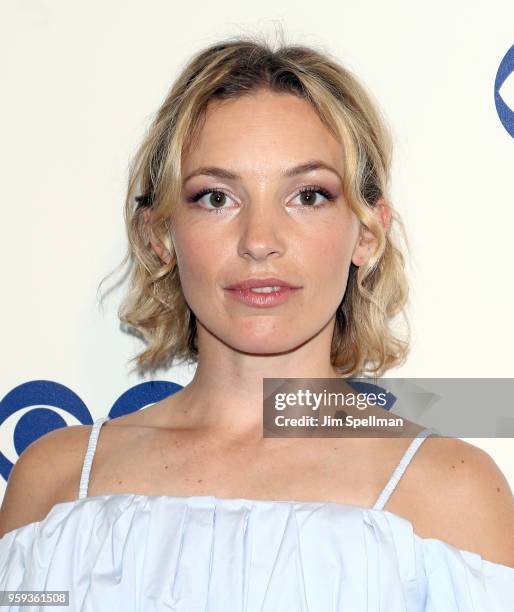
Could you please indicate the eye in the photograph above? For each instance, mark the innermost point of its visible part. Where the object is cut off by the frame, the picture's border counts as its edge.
(216, 202)
(307, 196)
(217, 199)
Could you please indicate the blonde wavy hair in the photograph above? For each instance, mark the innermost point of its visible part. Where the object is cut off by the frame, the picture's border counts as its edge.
(155, 309)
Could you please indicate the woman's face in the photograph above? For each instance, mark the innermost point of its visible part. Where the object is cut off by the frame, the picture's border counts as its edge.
(262, 225)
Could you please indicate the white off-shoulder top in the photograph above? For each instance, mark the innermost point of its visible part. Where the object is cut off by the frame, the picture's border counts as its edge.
(131, 553)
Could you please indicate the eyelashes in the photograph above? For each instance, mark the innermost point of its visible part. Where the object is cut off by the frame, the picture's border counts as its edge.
(314, 189)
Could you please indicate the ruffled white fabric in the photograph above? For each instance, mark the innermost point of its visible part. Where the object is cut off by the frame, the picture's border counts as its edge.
(133, 552)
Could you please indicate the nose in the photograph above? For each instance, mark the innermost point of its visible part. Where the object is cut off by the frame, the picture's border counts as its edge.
(262, 231)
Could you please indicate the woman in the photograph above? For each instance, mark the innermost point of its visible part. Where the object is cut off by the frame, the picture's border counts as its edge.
(262, 167)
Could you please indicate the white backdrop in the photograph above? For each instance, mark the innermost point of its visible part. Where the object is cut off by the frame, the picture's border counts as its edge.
(80, 83)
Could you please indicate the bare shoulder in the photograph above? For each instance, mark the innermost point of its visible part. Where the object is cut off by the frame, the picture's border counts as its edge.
(465, 499)
(47, 472)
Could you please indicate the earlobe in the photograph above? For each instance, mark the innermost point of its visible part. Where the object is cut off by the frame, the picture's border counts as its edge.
(161, 251)
(366, 240)
(363, 248)
(384, 212)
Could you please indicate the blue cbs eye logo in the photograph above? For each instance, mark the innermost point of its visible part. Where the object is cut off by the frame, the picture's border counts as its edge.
(34, 408)
(505, 112)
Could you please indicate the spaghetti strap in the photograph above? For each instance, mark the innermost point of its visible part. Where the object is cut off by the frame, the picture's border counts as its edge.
(402, 466)
(90, 453)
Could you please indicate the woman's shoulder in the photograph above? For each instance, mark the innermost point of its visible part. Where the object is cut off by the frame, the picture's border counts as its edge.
(46, 472)
(461, 497)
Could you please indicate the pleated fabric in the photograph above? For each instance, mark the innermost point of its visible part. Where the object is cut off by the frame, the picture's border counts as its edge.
(135, 553)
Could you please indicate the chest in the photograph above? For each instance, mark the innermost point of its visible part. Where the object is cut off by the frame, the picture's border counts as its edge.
(312, 469)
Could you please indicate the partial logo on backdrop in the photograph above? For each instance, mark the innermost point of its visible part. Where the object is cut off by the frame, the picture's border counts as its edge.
(504, 91)
(36, 407)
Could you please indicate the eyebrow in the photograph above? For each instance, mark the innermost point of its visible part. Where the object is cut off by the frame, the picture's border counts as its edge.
(222, 173)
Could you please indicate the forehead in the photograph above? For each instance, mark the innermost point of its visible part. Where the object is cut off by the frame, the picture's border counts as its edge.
(262, 133)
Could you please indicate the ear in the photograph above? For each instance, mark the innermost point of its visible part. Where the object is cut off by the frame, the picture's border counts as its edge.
(161, 251)
(367, 240)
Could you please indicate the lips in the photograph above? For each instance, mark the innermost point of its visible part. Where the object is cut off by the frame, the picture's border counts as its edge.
(250, 283)
(253, 298)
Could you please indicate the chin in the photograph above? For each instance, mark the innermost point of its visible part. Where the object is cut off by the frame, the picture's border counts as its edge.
(265, 344)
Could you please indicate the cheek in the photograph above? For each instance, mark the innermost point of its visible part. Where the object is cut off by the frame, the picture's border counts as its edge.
(326, 262)
(198, 259)
(330, 254)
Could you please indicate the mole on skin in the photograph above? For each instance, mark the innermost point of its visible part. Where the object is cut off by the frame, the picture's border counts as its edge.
(462, 461)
